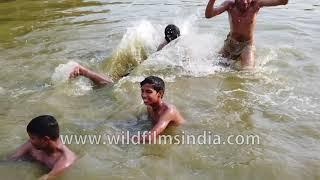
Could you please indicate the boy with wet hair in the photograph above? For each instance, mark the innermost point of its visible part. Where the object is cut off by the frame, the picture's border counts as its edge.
(171, 33)
(161, 113)
(45, 146)
(239, 44)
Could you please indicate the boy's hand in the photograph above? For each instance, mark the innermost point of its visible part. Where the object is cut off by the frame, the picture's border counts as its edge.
(77, 71)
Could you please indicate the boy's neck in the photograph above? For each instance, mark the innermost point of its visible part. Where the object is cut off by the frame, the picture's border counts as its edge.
(53, 147)
(157, 106)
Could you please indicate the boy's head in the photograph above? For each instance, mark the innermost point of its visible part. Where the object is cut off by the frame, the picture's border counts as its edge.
(42, 130)
(171, 32)
(152, 90)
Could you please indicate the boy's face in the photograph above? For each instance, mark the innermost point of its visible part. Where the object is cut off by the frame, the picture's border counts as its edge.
(243, 4)
(38, 142)
(149, 95)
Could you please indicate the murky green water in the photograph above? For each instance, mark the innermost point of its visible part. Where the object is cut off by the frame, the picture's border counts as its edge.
(279, 102)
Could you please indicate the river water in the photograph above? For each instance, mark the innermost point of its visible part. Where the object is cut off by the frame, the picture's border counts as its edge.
(278, 102)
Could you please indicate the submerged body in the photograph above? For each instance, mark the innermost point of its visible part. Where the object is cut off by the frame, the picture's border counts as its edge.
(161, 113)
(45, 146)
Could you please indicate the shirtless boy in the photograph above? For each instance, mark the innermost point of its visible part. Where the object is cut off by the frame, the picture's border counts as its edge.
(242, 20)
(161, 113)
(45, 146)
(171, 33)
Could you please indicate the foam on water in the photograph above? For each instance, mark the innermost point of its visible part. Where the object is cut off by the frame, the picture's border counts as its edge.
(62, 72)
(192, 54)
(79, 86)
(139, 41)
(144, 32)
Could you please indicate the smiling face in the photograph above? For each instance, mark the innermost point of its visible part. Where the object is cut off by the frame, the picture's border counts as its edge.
(149, 95)
(243, 5)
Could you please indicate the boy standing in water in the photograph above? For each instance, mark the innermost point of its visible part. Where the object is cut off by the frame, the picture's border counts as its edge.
(242, 20)
(161, 113)
(45, 146)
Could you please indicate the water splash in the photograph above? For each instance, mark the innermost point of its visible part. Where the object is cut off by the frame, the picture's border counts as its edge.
(62, 72)
(77, 87)
(190, 55)
(136, 45)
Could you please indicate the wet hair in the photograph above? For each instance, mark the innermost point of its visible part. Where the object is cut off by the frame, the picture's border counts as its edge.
(44, 125)
(171, 32)
(158, 83)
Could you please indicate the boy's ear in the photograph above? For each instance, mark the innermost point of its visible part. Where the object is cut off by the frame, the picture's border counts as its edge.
(161, 93)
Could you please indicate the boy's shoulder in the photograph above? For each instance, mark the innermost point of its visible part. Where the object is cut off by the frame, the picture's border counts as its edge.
(173, 112)
(27, 148)
(66, 159)
(68, 156)
(170, 108)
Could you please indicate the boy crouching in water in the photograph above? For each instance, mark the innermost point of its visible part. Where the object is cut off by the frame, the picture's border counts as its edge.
(45, 146)
(161, 113)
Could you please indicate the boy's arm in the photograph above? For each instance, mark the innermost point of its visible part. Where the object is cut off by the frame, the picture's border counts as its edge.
(272, 2)
(21, 151)
(98, 79)
(212, 11)
(163, 44)
(58, 168)
(159, 127)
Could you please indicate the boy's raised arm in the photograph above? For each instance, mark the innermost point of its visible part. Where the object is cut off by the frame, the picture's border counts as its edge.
(212, 11)
(272, 2)
(162, 45)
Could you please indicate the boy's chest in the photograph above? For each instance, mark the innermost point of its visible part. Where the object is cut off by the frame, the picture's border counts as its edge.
(155, 116)
(247, 17)
(44, 158)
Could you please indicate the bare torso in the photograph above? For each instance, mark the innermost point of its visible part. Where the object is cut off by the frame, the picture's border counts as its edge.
(44, 158)
(175, 119)
(242, 24)
(51, 159)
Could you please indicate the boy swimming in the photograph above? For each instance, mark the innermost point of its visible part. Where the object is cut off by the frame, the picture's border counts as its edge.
(161, 113)
(171, 33)
(242, 19)
(45, 146)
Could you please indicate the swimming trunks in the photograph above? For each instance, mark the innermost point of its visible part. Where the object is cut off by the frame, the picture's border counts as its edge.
(232, 48)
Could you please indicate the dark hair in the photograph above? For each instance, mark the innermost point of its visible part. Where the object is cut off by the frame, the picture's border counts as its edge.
(44, 125)
(158, 83)
(171, 32)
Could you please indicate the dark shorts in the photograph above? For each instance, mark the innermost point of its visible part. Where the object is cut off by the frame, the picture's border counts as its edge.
(233, 49)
